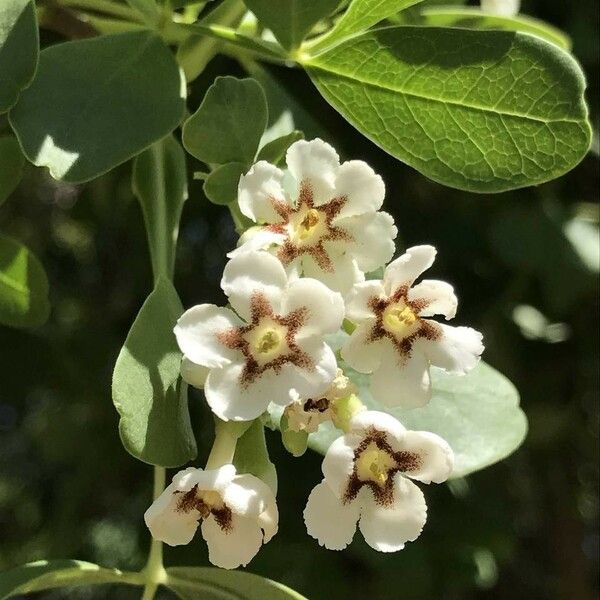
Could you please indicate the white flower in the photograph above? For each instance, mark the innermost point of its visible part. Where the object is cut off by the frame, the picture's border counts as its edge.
(238, 514)
(307, 415)
(272, 350)
(501, 8)
(329, 228)
(396, 342)
(366, 481)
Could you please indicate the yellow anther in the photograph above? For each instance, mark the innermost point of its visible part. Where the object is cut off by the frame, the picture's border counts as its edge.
(374, 464)
(268, 342)
(398, 318)
(307, 225)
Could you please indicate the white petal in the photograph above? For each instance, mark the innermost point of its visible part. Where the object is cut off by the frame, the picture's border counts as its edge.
(175, 527)
(406, 268)
(362, 187)
(338, 463)
(233, 547)
(374, 419)
(373, 237)
(300, 382)
(315, 163)
(387, 529)
(247, 495)
(197, 333)
(257, 190)
(328, 520)
(230, 400)
(362, 354)
(345, 271)
(358, 300)
(436, 456)
(457, 351)
(438, 295)
(257, 238)
(268, 520)
(402, 382)
(192, 373)
(253, 273)
(325, 308)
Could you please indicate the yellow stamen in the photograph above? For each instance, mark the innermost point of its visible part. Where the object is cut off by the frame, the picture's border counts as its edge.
(374, 464)
(398, 318)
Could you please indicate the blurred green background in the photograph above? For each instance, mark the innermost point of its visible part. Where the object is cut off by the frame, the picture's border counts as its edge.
(526, 267)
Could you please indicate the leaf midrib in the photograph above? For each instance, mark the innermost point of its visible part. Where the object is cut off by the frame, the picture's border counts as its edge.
(446, 102)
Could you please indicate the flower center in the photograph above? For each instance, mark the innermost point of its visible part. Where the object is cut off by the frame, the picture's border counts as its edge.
(308, 226)
(399, 319)
(375, 464)
(208, 501)
(268, 341)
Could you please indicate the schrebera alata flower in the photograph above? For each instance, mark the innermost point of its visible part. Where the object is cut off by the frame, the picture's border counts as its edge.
(271, 348)
(238, 514)
(396, 341)
(366, 481)
(329, 226)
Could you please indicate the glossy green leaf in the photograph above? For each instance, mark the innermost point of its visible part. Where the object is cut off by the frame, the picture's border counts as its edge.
(485, 111)
(44, 575)
(472, 18)
(229, 123)
(291, 20)
(19, 49)
(23, 286)
(252, 456)
(147, 390)
(192, 583)
(160, 184)
(274, 151)
(12, 162)
(221, 185)
(359, 16)
(96, 103)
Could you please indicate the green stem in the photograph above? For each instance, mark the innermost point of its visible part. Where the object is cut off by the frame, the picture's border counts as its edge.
(154, 571)
(105, 6)
(223, 449)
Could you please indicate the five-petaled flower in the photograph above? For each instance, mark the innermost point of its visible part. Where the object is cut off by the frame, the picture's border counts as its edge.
(396, 342)
(329, 227)
(366, 481)
(238, 514)
(272, 349)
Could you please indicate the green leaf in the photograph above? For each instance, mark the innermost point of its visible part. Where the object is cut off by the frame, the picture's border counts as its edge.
(478, 414)
(44, 575)
(229, 123)
(147, 390)
(291, 20)
(484, 111)
(160, 183)
(286, 113)
(221, 185)
(191, 583)
(19, 49)
(472, 18)
(274, 151)
(12, 162)
(96, 103)
(23, 286)
(252, 456)
(360, 15)
(148, 9)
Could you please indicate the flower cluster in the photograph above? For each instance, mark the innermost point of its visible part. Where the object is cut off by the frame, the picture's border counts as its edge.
(298, 275)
